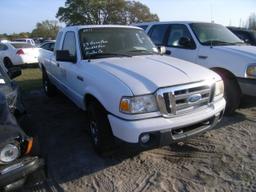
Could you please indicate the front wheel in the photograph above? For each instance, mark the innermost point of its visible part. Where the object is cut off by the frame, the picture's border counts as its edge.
(232, 95)
(100, 130)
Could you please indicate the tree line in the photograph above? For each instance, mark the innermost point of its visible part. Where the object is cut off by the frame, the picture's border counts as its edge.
(87, 12)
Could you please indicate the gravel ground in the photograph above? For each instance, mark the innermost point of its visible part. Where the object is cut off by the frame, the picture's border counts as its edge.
(220, 160)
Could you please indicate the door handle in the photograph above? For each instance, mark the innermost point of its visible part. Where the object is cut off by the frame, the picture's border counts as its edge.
(202, 57)
(58, 65)
(80, 78)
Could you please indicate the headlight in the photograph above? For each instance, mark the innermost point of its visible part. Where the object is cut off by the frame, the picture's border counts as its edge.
(2, 81)
(138, 104)
(219, 90)
(251, 71)
(9, 153)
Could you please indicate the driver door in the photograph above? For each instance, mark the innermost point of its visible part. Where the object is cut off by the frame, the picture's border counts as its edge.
(174, 45)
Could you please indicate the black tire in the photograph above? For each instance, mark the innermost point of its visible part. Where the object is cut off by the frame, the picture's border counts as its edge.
(100, 130)
(8, 63)
(49, 89)
(232, 94)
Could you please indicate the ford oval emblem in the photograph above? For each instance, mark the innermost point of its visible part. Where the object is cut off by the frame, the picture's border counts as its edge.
(194, 98)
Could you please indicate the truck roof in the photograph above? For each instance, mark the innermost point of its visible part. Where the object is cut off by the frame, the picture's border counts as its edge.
(169, 22)
(78, 27)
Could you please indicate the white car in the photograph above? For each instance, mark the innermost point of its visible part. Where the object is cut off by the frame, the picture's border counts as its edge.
(213, 46)
(18, 53)
(26, 40)
(131, 92)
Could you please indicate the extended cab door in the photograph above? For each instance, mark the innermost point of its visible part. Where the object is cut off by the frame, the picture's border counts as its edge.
(177, 40)
(51, 64)
(71, 72)
(180, 44)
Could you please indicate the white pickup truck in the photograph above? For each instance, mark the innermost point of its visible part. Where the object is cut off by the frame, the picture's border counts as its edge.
(213, 46)
(131, 92)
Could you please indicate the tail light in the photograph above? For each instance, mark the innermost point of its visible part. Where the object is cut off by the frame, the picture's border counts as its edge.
(20, 52)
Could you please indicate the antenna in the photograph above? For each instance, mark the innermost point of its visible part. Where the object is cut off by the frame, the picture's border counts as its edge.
(211, 6)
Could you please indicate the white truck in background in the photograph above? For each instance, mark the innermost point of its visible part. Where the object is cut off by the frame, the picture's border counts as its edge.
(212, 46)
(131, 92)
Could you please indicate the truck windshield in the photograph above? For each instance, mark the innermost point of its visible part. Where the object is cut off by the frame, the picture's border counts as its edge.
(214, 34)
(114, 42)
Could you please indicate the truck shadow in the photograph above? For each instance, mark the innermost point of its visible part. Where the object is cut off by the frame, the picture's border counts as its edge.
(64, 140)
(62, 131)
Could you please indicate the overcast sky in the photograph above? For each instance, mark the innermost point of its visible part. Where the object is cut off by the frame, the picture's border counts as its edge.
(22, 15)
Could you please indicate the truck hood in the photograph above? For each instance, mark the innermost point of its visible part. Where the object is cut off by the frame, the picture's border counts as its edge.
(242, 50)
(145, 74)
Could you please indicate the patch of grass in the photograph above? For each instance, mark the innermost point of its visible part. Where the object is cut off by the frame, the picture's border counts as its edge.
(30, 79)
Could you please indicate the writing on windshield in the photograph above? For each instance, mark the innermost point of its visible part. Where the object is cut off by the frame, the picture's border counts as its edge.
(94, 47)
(114, 42)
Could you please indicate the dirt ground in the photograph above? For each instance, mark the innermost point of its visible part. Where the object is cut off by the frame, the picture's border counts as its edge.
(220, 160)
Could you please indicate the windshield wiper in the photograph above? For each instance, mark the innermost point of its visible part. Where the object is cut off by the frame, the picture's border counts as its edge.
(102, 55)
(216, 42)
(141, 51)
(239, 43)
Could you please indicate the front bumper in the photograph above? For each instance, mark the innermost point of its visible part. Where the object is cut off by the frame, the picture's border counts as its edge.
(12, 173)
(248, 86)
(164, 131)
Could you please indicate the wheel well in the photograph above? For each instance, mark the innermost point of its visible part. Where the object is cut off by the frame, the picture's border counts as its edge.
(89, 98)
(5, 59)
(226, 73)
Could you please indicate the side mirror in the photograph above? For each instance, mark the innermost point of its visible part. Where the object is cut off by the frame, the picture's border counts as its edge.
(247, 41)
(185, 42)
(64, 55)
(162, 50)
(14, 72)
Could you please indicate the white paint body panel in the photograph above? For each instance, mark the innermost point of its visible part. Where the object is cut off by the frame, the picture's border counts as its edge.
(109, 79)
(235, 58)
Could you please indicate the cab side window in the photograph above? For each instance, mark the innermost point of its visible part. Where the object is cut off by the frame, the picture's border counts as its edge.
(45, 46)
(3, 47)
(69, 43)
(48, 46)
(177, 34)
(243, 36)
(157, 33)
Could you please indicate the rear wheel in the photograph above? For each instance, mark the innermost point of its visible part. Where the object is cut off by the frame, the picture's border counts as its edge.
(100, 130)
(49, 88)
(8, 63)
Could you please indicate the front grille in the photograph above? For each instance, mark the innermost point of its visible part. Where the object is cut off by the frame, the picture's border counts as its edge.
(184, 98)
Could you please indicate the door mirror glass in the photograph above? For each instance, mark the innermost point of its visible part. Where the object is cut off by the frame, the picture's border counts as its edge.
(64, 55)
(14, 72)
